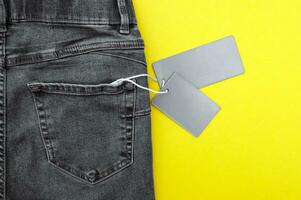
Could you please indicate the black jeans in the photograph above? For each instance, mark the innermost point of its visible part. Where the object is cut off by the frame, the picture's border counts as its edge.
(66, 132)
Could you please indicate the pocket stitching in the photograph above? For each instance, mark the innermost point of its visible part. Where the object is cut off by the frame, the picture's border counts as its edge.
(40, 126)
(105, 173)
(75, 89)
(121, 57)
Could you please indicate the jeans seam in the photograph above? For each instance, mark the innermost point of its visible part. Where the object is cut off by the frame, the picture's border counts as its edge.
(72, 51)
(143, 112)
(40, 125)
(74, 89)
(134, 123)
(118, 56)
(3, 132)
(73, 21)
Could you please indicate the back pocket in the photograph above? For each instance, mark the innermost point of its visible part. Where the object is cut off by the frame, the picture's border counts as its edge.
(87, 130)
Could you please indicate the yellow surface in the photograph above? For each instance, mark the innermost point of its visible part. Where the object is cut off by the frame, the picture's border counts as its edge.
(252, 149)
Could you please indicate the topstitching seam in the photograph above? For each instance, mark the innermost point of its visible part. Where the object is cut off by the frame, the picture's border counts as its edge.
(72, 51)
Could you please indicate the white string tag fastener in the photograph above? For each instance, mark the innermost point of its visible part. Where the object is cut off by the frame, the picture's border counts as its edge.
(129, 79)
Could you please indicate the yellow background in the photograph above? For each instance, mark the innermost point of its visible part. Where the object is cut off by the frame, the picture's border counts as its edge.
(252, 149)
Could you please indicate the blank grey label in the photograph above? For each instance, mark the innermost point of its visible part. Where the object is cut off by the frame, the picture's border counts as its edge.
(186, 105)
(203, 65)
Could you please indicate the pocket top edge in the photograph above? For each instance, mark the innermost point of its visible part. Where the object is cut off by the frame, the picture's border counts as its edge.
(78, 89)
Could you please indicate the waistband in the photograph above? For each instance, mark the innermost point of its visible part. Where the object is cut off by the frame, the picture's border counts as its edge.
(68, 11)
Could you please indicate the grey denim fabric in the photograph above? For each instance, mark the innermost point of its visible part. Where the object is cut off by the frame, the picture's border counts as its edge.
(66, 133)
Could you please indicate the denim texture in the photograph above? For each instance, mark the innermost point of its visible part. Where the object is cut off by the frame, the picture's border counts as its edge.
(66, 133)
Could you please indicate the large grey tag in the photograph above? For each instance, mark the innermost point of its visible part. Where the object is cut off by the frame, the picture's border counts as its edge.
(203, 65)
(185, 104)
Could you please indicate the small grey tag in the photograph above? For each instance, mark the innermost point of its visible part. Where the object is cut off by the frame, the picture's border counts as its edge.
(186, 105)
(203, 65)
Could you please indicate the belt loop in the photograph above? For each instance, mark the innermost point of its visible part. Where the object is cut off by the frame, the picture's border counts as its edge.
(124, 15)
